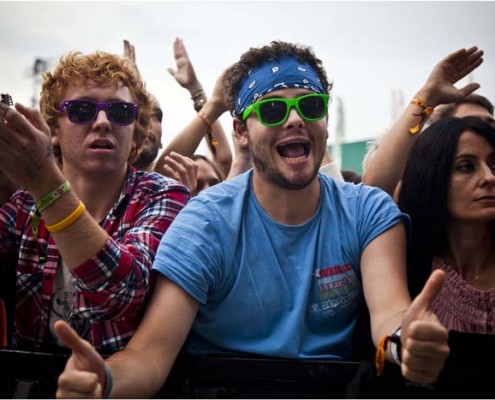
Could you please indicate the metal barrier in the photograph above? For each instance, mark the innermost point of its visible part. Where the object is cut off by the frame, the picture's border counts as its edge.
(469, 373)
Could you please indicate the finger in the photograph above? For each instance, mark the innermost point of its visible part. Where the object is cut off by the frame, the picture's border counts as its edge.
(81, 382)
(469, 66)
(432, 287)
(180, 158)
(4, 109)
(133, 53)
(167, 171)
(423, 333)
(33, 116)
(126, 48)
(19, 119)
(175, 164)
(171, 71)
(460, 55)
(71, 339)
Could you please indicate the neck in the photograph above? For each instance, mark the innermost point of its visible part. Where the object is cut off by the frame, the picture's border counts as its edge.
(470, 248)
(290, 207)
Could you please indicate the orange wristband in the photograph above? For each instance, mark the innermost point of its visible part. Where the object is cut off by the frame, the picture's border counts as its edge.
(425, 113)
(380, 354)
(211, 141)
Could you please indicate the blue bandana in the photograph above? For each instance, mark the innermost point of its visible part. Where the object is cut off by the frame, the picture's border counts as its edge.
(286, 72)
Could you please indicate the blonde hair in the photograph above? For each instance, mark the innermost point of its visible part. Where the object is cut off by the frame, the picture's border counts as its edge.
(102, 68)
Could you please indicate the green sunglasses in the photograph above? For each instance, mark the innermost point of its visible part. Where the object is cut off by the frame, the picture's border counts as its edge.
(272, 112)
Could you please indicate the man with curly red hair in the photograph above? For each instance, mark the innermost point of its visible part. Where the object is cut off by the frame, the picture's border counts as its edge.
(83, 231)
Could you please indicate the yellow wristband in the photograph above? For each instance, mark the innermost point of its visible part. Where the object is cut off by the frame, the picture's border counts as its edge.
(68, 221)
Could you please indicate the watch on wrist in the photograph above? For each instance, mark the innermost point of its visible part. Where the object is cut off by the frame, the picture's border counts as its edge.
(396, 347)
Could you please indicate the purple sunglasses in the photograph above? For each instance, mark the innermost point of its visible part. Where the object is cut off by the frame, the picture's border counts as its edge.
(84, 111)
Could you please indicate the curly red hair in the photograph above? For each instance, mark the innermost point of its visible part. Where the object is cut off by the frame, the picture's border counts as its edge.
(103, 68)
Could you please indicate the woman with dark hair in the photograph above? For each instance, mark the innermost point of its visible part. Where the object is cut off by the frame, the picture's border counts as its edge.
(448, 189)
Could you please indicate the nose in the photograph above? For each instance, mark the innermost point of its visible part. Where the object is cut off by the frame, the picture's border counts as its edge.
(488, 175)
(294, 119)
(101, 123)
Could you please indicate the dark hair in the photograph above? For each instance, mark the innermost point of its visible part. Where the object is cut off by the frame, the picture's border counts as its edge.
(448, 110)
(217, 170)
(257, 56)
(424, 190)
(351, 176)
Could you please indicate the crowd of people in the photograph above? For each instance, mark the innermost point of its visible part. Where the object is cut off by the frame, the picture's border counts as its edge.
(126, 254)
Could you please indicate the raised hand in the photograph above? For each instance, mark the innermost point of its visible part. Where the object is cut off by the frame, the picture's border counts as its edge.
(26, 153)
(84, 373)
(447, 72)
(182, 169)
(130, 53)
(184, 74)
(424, 339)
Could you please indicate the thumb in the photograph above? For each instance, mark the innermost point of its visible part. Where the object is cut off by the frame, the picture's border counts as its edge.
(423, 301)
(470, 88)
(171, 71)
(83, 351)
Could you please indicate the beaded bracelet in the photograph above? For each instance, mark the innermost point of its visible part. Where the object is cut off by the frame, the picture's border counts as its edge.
(53, 196)
(67, 221)
(425, 113)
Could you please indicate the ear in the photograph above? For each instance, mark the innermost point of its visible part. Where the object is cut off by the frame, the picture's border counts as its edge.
(241, 132)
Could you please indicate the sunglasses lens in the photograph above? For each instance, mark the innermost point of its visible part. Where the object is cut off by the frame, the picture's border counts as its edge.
(121, 113)
(80, 112)
(312, 107)
(272, 112)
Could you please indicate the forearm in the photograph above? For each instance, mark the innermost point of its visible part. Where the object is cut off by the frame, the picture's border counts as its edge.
(222, 153)
(187, 141)
(387, 165)
(141, 382)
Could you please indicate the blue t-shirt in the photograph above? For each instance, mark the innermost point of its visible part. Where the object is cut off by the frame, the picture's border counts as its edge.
(271, 289)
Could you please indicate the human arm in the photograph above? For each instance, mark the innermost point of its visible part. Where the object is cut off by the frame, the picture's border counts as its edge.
(141, 369)
(26, 158)
(112, 271)
(386, 168)
(424, 339)
(187, 141)
(115, 282)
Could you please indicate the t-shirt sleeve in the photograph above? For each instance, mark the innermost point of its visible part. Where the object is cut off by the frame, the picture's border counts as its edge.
(377, 212)
(189, 252)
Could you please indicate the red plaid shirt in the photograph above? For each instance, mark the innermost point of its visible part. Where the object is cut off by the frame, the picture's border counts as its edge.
(113, 286)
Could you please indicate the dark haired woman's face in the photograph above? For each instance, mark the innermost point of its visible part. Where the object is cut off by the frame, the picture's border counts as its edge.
(471, 194)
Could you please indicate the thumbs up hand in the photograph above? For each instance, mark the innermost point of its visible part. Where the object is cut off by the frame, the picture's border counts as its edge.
(424, 339)
(84, 374)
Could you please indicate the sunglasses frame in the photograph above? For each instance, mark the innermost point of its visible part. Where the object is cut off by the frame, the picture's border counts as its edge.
(290, 103)
(99, 106)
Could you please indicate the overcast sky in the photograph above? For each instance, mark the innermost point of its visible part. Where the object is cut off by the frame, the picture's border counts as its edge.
(369, 48)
